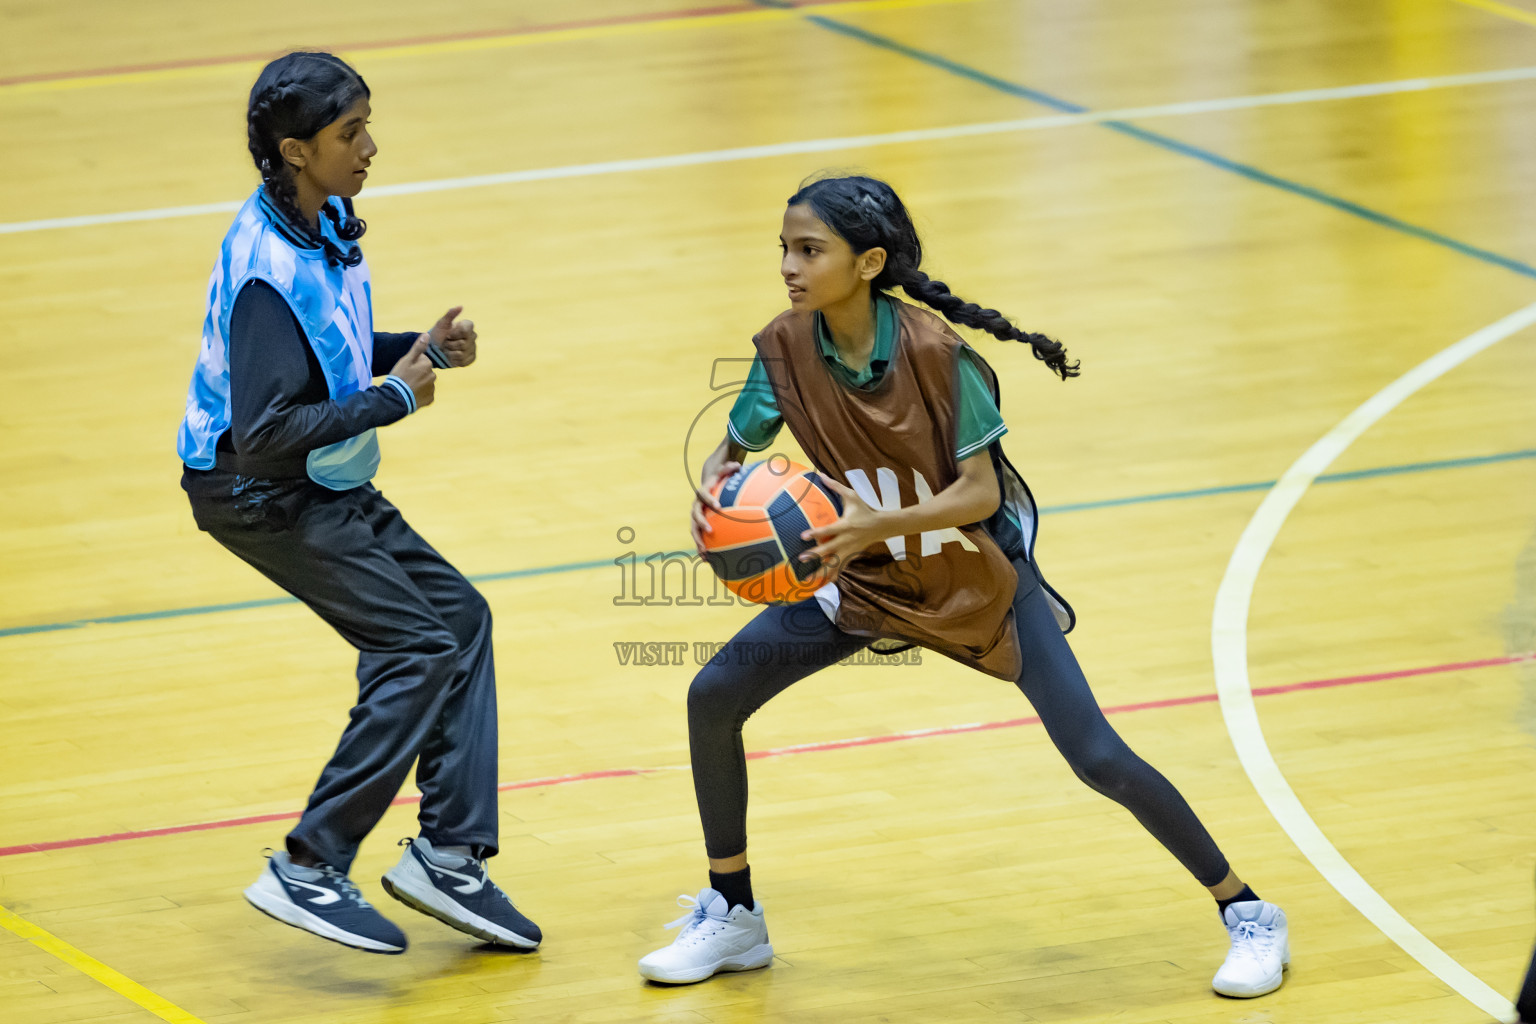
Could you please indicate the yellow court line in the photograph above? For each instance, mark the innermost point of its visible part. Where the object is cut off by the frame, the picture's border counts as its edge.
(1503, 10)
(93, 968)
(486, 43)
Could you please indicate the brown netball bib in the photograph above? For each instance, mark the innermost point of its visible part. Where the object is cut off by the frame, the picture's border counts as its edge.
(894, 443)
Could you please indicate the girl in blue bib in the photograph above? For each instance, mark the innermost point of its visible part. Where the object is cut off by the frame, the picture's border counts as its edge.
(279, 445)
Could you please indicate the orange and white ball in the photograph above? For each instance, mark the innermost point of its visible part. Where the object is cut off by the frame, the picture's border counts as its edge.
(755, 544)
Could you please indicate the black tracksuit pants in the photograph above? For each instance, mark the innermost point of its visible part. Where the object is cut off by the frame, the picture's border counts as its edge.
(426, 680)
(736, 683)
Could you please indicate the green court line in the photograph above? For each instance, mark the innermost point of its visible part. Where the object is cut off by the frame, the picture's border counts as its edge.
(564, 567)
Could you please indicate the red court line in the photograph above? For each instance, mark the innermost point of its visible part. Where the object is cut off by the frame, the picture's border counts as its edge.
(1120, 709)
(682, 14)
(257, 819)
(801, 748)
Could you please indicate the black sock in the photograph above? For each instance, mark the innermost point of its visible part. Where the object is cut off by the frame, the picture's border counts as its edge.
(1242, 897)
(736, 887)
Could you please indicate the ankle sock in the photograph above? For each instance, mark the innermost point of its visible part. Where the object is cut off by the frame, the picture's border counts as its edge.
(736, 887)
(450, 856)
(299, 871)
(1242, 897)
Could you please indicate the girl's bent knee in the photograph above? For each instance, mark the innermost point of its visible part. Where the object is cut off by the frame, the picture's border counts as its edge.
(1105, 771)
(709, 693)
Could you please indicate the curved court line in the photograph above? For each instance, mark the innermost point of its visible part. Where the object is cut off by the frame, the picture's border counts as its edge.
(821, 746)
(563, 567)
(739, 153)
(1229, 652)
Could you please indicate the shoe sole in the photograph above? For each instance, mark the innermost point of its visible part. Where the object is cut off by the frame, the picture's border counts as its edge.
(1285, 965)
(427, 900)
(282, 910)
(753, 959)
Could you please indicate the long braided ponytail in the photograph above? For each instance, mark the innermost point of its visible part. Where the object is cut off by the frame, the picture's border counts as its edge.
(294, 97)
(867, 214)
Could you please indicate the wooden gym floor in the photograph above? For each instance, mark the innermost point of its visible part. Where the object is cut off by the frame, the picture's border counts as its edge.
(1246, 218)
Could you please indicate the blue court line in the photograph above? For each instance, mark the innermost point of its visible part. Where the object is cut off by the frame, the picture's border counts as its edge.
(1326, 478)
(538, 571)
(1173, 145)
(550, 570)
(268, 602)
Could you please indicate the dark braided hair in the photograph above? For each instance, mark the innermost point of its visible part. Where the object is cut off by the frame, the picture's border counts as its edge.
(294, 97)
(866, 213)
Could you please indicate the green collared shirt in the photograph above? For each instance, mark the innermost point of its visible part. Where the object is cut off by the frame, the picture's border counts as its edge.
(755, 421)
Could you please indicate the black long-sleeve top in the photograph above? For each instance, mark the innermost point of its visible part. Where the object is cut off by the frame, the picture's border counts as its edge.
(281, 407)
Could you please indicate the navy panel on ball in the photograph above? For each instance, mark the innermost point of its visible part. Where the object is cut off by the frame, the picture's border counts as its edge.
(815, 480)
(788, 524)
(732, 489)
(744, 561)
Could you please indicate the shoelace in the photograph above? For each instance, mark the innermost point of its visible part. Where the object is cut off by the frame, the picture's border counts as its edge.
(1251, 940)
(692, 921)
(344, 885)
(478, 867)
(485, 878)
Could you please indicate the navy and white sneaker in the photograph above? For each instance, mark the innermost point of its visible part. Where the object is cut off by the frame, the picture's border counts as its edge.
(324, 901)
(457, 892)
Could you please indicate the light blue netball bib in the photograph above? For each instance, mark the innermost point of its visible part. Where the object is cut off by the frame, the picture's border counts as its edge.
(333, 305)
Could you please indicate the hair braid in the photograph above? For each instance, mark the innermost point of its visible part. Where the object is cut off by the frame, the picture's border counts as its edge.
(295, 97)
(266, 109)
(867, 214)
(955, 309)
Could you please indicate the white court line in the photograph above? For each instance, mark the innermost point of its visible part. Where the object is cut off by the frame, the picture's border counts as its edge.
(1229, 651)
(718, 156)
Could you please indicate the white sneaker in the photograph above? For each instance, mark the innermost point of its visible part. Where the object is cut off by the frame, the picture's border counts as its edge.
(1260, 951)
(712, 940)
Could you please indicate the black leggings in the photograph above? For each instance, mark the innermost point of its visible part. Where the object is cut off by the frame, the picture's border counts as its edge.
(784, 644)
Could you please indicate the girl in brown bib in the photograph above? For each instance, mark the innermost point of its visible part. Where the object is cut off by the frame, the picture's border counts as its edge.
(935, 547)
